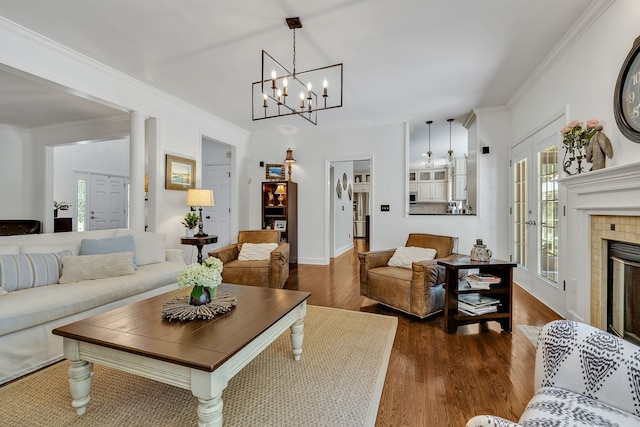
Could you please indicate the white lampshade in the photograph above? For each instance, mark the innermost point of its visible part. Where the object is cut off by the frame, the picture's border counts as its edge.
(200, 197)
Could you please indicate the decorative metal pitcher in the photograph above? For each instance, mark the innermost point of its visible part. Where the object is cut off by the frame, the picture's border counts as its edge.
(479, 252)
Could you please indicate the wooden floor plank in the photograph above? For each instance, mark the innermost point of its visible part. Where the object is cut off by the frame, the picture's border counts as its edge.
(434, 378)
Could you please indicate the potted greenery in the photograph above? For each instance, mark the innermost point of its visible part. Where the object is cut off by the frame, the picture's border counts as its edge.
(190, 221)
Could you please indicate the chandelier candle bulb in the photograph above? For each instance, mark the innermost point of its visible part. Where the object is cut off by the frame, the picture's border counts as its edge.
(309, 90)
(265, 100)
(325, 83)
(273, 79)
(285, 83)
(301, 100)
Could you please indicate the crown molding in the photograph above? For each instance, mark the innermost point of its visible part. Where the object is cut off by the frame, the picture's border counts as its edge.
(586, 20)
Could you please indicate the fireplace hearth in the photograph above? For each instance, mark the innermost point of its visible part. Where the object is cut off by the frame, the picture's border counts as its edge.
(623, 290)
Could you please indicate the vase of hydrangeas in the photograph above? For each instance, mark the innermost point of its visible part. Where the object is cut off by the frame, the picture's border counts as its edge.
(204, 278)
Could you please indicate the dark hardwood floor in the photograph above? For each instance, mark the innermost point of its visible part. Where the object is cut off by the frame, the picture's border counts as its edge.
(435, 378)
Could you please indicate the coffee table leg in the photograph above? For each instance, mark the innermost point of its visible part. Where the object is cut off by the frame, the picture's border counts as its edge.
(80, 375)
(297, 334)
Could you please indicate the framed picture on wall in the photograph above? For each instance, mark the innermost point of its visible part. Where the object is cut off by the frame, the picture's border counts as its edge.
(275, 172)
(180, 173)
(280, 224)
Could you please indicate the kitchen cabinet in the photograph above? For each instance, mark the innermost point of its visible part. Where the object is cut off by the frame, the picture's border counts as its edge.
(460, 179)
(432, 192)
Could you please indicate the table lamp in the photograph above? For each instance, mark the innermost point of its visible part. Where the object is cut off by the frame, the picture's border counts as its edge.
(280, 190)
(289, 161)
(199, 197)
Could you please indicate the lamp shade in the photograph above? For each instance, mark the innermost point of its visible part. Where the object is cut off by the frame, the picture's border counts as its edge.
(280, 189)
(290, 158)
(199, 197)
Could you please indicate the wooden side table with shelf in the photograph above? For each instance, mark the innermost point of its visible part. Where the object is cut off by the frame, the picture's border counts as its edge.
(199, 242)
(454, 287)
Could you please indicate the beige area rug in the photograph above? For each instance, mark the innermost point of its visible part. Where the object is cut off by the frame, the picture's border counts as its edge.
(531, 332)
(338, 382)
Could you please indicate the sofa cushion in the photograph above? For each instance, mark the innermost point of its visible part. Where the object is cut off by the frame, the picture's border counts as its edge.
(256, 251)
(149, 246)
(404, 256)
(24, 271)
(51, 248)
(557, 406)
(90, 267)
(253, 273)
(9, 249)
(49, 303)
(109, 245)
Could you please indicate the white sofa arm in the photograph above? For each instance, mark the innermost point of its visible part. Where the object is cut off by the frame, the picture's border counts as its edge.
(490, 421)
(174, 255)
(589, 361)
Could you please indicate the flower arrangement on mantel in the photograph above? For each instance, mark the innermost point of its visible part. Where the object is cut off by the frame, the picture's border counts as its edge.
(576, 137)
(204, 278)
(588, 143)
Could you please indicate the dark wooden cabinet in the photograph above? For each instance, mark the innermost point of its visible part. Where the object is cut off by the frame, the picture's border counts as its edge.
(280, 212)
(62, 224)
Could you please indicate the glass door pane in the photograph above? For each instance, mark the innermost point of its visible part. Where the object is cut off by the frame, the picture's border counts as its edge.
(520, 214)
(548, 211)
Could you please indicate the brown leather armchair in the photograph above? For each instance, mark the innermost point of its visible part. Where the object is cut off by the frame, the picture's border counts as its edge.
(272, 273)
(418, 291)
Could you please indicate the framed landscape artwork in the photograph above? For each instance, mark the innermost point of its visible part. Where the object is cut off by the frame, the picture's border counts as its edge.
(275, 172)
(280, 224)
(180, 173)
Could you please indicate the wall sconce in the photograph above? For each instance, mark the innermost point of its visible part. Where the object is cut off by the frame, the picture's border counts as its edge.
(289, 161)
(199, 197)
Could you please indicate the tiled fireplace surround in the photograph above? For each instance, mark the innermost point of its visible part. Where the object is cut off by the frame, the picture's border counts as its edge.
(595, 201)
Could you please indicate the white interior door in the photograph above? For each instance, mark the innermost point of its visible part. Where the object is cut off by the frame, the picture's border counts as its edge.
(107, 207)
(217, 218)
(534, 213)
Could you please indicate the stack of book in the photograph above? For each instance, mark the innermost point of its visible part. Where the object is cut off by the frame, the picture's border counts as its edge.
(482, 280)
(475, 304)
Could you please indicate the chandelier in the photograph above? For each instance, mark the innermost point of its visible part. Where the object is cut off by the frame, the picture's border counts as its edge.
(281, 92)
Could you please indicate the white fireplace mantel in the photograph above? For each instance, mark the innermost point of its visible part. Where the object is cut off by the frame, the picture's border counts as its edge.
(612, 191)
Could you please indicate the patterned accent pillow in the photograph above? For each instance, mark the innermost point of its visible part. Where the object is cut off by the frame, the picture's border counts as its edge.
(24, 271)
(89, 267)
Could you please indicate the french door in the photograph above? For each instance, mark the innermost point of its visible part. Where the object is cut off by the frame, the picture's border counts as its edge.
(534, 215)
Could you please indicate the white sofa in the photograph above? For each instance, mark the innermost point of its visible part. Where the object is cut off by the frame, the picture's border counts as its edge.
(27, 316)
(584, 377)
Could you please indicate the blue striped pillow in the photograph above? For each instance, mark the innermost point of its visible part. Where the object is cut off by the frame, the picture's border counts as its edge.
(24, 271)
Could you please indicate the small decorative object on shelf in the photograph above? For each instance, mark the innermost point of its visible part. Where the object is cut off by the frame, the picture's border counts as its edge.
(480, 253)
(63, 206)
(599, 147)
(202, 303)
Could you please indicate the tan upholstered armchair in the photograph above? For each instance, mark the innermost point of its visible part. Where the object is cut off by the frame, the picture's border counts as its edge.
(418, 290)
(271, 273)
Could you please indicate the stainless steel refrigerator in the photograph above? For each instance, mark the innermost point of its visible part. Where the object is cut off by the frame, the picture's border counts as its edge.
(360, 213)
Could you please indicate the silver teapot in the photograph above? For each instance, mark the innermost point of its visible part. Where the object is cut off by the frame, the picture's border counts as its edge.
(479, 252)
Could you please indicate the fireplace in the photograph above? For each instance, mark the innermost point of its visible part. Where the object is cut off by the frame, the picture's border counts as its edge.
(623, 290)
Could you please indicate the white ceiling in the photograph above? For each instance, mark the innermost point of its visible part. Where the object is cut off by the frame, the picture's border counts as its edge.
(403, 60)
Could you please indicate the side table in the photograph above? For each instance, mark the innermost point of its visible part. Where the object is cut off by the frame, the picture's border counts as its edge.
(454, 287)
(199, 242)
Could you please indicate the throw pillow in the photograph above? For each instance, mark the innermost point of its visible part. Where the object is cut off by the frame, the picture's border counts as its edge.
(256, 251)
(89, 267)
(24, 271)
(108, 245)
(149, 246)
(404, 256)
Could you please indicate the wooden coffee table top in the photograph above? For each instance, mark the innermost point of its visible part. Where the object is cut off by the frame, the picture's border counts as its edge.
(200, 344)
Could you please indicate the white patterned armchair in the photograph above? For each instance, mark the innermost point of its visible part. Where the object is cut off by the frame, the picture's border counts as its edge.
(583, 377)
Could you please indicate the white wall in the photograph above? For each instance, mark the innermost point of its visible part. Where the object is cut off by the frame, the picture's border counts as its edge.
(342, 208)
(387, 146)
(180, 127)
(583, 80)
(15, 147)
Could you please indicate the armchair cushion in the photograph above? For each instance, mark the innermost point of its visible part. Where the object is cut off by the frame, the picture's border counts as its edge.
(256, 251)
(404, 256)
